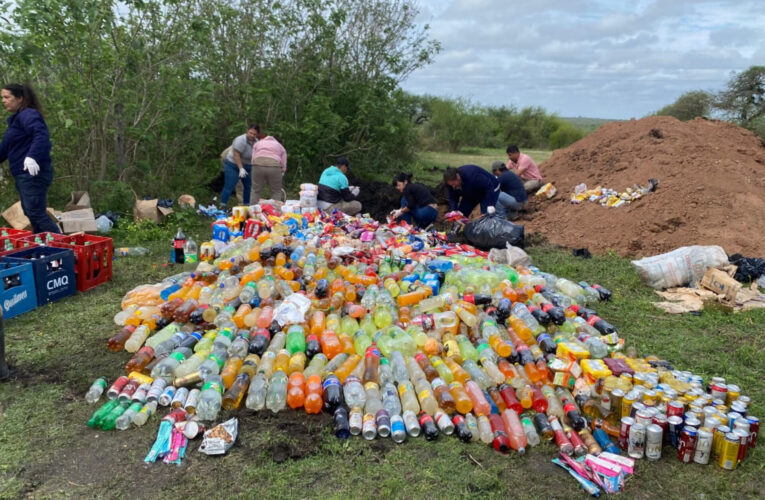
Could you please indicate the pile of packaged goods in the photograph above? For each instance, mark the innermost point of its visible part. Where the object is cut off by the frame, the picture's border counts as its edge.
(610, 197)
(396, 335)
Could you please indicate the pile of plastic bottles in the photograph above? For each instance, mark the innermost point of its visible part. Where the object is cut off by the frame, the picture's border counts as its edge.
(397, 334)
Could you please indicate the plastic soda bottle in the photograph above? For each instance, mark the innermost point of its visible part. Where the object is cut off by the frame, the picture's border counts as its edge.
(95, 391)
(276, 397)
(210, 399)
(500, 440)
(143, 415)
(256, 396)
(296, 390)
(313, 398)
(515, 431)
(296, 341)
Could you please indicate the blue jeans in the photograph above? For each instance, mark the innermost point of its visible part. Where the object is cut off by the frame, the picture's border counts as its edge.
(33, 191)
(231, 177)
(423, 216)
(507, 205)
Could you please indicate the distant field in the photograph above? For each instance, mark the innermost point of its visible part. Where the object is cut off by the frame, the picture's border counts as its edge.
(586, 124)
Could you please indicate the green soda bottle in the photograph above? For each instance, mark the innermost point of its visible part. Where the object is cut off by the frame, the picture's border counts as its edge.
(110, 420)
(295, 339)
(100, 413)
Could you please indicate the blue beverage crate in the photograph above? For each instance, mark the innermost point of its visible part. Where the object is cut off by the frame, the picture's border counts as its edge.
(53, 271)
(20, 297)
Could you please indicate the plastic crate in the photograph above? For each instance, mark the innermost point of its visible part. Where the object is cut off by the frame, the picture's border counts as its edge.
(17, 288)
(53, 270)
(9, 232)
(42, 238)
(93, 258)
(17, 244)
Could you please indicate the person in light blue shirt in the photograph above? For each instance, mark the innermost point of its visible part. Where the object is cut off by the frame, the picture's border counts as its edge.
(334, 191)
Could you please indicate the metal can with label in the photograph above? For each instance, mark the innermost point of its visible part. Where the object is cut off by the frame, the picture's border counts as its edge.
(192, 401)
(674, 427)
(654, 439)
(627, 401)
(650, 398)
(744, 399)
(703, 446)
(624, 432)
(643, 417)
(718, 390)
(743, 440)
(368, 427)
(728, 457)
(411, 423)
(687, 444)
(355, 421)
(167, 396)
(660, 420)
(617, 396)
(636, 407)
(692, 421)
(738, 407)
(179, 400)
(754, 430)
(675, 409)
(719, 438)
(732, 393)
(383, 423)
(732, 417)
(636, 447)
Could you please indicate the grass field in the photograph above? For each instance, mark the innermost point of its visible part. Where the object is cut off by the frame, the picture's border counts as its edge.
(58, 350)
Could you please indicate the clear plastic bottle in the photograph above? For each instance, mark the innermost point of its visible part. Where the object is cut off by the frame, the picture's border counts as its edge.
(390, 399)
(137, 339)
(484, 430)
(124, 420)
(95, 391)
(210, 399)
(191, 364)
(398, 367)
(165, 369)
(354, 392)
(276, 397)
(213, 364)
(256, 395)
(147, 411)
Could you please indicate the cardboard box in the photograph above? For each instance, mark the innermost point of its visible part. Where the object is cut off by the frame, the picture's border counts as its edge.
(721, 283)
(80, 200)
(148, 210)
(78, 221)
(17, 220)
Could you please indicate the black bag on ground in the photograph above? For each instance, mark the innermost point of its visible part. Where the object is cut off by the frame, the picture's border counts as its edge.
(749, 268)
(493, 231)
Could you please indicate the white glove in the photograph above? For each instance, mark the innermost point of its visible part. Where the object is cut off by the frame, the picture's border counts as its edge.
(31, 166)
(354, 190)
(396, 214)
(490, 210)
(242, 173)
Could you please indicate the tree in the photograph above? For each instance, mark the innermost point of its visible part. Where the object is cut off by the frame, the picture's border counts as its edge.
(689, 105)
(744, 99)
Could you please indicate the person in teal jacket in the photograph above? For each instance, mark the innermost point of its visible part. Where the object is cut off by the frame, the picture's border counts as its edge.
(334, 191)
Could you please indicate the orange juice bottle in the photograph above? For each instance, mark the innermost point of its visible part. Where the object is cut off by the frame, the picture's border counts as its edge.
(460, 374)
(318, 322)
(350, 293)
(230, 370)
(281, 259)
(464, 403)
(296, 390)
(412, 298)
(347, 343)
(313, 400)
(241, 313)
(347, 367)
(330, 344)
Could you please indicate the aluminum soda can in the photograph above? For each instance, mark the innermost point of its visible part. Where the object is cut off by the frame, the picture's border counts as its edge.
(660, 420)
(355, 421)
(743, 441)
(411, 423)
(718, 390)
(675, 409)
(687, 444)
(156, 389)
(636, 407)
(627, 401)
(117, 387)
(654, 439)
(444, 423)
(728, 457)
(139, 396)
(674, 427)
(192, 401)
(368, 427)
(636, 446)
(754, 430)
(167, 396)
(179, 400)
(617, 396)
(397, 429)
(743, 399)
(719, 438)
(624, 432)
(732, 417)
(692, 421)
(643, 417)
(650, 398)
(703, 446)
(738, 407)
(733, 393)
(383, 423)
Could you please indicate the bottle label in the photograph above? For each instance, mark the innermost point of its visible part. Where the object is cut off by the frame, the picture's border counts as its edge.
(212, 385)
(555, 424)
(567, 407)
(330, 382)
(101, 382)
(403, 388)
(437, 382)
(592, 320)
(423, 395)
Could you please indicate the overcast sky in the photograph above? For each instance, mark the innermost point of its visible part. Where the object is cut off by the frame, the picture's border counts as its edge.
(603, 59)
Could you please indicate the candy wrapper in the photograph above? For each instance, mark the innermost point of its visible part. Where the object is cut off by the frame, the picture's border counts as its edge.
(220, 438)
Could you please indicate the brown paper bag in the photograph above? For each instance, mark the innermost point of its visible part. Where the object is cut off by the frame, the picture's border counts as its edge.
(17, 220)
(148, 210)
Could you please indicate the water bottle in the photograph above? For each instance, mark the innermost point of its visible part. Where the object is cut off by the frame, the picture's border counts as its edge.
(390, 400)
(210, 398)
(124, 420)
(256, 395)
(95, 391)
(353, 392)
(213, 364)
(165, 369)
(276, 397)
(143, 415)
(398, 367)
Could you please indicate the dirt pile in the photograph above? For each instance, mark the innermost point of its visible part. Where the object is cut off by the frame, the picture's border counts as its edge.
(711, 188)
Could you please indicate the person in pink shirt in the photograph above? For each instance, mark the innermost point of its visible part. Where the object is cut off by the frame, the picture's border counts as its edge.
(524, 167)
(269, 162)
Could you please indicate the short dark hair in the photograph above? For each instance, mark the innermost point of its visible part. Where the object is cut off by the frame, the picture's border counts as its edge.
(402, 177)
(450, 174)
(498, 165)
(342, 161)
(254, 126)
(26, 93)
(512, 148)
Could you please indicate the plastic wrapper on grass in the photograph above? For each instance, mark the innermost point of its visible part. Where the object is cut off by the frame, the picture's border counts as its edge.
(219, 439)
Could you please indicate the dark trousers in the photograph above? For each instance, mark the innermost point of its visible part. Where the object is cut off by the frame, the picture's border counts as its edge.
(231, 177)
(33, 191)
(423, 216)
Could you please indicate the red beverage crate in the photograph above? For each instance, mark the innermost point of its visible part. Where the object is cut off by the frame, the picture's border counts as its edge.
(16, 244)
(42, 238)
(9, 232)
(93, 258)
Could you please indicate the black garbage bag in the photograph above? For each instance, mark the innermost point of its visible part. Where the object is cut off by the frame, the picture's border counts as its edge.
(749, 268)
(493, 231)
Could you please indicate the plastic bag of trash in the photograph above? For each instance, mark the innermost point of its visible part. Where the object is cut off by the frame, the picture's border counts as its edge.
(512, 256)
(749, 268)
(104, 224)
(680, 267)
(494, 231)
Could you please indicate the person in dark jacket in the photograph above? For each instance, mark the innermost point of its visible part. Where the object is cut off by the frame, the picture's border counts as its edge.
(26, 146)
(471, 185)
(511, 186)
(334, 191)
(417, 203)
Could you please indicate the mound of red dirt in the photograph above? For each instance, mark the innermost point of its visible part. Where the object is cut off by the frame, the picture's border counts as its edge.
(711, 188)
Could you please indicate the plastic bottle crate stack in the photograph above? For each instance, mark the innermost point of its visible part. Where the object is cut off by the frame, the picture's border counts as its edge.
(397, 334)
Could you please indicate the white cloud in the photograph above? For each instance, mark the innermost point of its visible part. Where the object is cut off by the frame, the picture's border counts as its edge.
(603, 58)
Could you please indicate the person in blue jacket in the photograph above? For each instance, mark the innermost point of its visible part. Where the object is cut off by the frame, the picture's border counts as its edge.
(26, 146)
(471, 185)
(334, 191)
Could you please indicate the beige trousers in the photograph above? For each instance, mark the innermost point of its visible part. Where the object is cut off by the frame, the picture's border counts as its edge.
(266, 171)
(347, 207)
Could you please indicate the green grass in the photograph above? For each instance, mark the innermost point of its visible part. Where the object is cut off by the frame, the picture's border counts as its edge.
(48, 452)
(431, 164)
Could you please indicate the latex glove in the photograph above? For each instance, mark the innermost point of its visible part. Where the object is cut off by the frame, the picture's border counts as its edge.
(31, 166)
(490, 210)
(242, 173)
(354, 190)
(396, 214)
